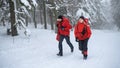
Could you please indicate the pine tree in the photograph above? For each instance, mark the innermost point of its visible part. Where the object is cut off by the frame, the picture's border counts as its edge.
(12, 18)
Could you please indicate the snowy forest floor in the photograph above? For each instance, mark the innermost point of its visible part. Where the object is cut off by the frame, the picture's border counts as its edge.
(39, 51)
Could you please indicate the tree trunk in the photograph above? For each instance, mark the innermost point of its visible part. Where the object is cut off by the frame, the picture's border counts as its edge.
(3, 20)
(12, 18)
(41, 11)
(26, 20)
(54, 16)
(55, 12)
(51, 19)
(35, 23)
(44, 8)
(41, 16)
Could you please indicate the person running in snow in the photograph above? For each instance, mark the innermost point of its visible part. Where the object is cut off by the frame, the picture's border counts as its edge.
(64, 27)
(82, 34)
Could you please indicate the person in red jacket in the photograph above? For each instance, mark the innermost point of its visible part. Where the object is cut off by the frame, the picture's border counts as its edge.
(64, 27)
(82, 34)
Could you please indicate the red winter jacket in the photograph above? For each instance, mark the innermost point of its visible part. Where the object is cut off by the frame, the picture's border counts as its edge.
(66, 25)
(79, 27)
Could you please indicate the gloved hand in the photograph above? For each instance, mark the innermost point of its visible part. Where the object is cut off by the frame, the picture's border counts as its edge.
(76, 39)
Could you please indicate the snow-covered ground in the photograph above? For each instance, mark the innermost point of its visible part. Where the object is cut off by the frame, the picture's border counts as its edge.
(39, 51)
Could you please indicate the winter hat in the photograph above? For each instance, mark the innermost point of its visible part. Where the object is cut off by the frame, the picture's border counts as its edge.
(60, 17)
(82, 17)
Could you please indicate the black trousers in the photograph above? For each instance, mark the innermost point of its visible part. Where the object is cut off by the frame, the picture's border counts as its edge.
(62, 37)
(83, 45)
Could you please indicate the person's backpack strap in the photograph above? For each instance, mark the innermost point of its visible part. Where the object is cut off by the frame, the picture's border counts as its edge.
(84, 30)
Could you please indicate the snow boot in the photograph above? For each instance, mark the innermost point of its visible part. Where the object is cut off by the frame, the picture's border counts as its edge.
(59, 54)
(85, 54)
(85, 57)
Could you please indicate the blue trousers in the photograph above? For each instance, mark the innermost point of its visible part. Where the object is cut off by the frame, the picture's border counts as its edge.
(62, 37)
